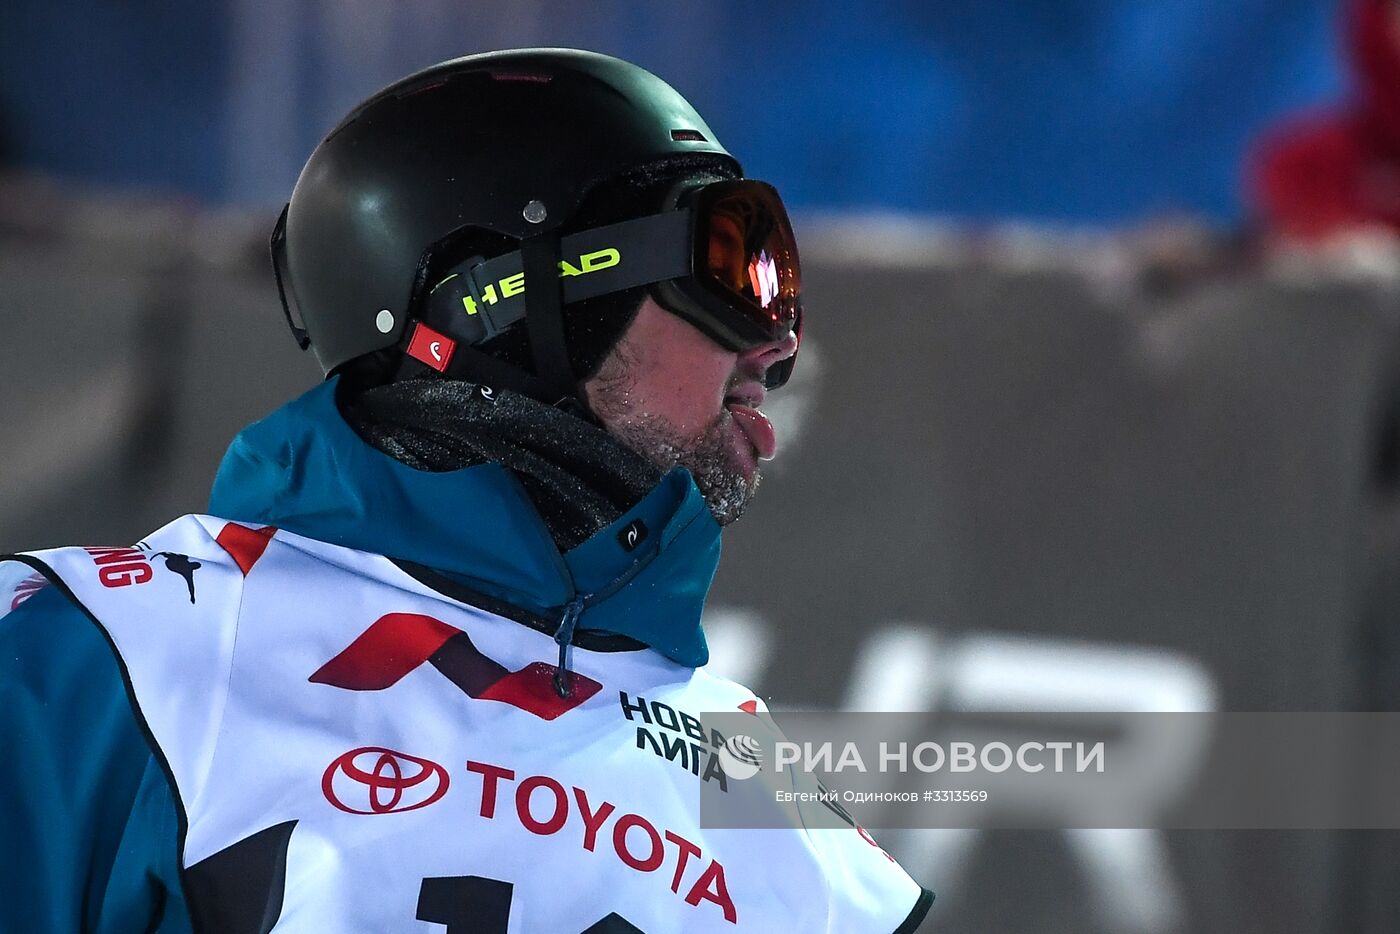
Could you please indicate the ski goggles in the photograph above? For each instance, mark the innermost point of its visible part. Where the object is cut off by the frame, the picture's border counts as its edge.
(724, 259)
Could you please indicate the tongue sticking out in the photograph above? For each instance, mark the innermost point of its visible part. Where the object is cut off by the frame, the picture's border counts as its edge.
(757, 428)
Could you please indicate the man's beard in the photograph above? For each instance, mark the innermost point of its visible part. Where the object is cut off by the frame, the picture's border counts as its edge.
(709, 458)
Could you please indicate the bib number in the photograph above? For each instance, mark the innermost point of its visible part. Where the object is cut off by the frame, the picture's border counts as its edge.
(477, 905)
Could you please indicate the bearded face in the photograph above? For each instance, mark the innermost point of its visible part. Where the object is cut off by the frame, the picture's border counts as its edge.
(679, 399)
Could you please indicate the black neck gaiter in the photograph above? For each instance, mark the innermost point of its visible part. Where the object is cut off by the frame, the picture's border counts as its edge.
(579, 477)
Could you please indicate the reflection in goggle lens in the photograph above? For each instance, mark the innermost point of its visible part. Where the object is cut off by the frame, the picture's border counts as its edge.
(752, 254)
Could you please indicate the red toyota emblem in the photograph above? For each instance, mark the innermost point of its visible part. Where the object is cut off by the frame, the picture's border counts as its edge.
(375, 780)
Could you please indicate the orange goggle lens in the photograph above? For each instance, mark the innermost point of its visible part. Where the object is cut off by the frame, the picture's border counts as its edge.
(746, 254)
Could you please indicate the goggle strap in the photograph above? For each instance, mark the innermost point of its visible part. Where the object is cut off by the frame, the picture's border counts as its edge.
(590, 263)
(278, 248)
(544, 315)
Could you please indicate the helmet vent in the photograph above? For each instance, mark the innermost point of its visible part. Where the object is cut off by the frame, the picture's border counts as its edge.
(688, 136)
(533, 77)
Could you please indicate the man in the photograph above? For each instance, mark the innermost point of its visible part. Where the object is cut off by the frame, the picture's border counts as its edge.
(396, 683)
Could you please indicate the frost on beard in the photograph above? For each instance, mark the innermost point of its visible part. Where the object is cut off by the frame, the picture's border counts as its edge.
(709, 459)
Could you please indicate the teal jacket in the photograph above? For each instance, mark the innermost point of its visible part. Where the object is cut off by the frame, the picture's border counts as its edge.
(88, 826)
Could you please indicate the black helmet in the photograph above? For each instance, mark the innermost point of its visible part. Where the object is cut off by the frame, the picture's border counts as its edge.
(507, 143)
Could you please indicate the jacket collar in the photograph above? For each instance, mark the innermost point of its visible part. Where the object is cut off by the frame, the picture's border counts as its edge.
(303, 469)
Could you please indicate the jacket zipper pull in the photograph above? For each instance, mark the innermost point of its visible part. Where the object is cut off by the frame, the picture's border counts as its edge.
(564, 637)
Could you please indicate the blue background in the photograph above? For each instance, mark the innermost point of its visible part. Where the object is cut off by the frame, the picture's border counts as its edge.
(1099, 111)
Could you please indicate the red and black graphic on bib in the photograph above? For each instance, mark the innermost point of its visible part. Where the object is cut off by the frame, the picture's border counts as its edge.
(398, 643)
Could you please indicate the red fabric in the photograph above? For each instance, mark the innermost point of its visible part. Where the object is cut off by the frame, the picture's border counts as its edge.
(1329, 173)
(1374, 39)
(532, 690)
(243, 544)
(390, 648)
(398, 643)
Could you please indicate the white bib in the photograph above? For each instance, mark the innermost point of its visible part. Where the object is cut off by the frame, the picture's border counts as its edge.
(391, 759)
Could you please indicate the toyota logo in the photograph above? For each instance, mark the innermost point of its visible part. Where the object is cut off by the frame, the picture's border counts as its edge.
(375, 780)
